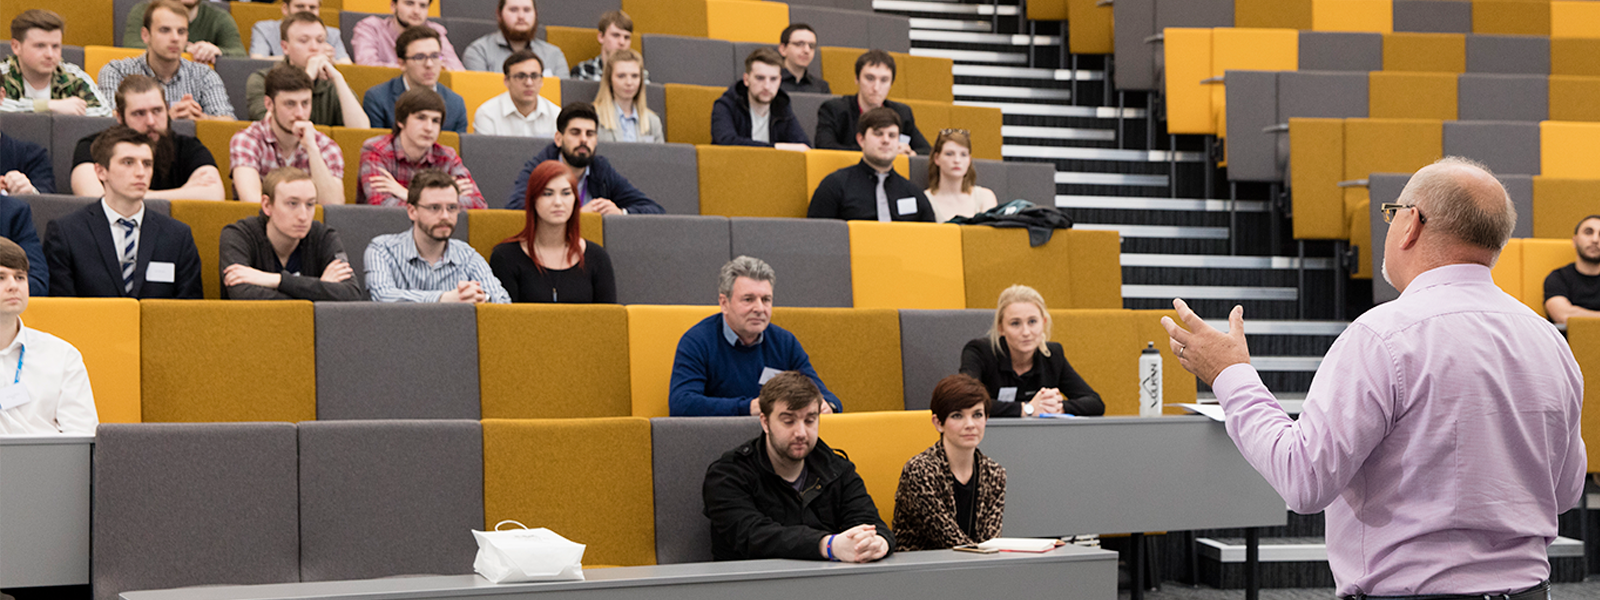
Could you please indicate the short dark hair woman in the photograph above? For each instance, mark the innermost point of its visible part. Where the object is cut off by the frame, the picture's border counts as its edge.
(951, 494)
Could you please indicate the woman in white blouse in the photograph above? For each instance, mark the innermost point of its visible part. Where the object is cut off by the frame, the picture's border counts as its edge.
(952, 182)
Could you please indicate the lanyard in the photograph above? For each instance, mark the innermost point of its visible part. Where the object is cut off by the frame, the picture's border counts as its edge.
(21, 352)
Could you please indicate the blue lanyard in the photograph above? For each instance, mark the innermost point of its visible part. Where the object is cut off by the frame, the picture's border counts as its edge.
(21, 352)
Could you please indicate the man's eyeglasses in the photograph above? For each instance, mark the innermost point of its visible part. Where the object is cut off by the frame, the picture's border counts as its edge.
(808, 45)
(440, 208)
(435, 57)
(526, 77)
(1390, 208)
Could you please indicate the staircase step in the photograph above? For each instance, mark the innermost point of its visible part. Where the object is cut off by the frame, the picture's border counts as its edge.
(950, 25)
(961, 70)
(997, 39)
(945, 8)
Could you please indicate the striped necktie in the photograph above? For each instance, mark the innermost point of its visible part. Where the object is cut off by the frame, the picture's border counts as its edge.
(130, 253)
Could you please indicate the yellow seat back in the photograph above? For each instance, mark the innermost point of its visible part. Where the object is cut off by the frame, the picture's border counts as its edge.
(350, 141)
(982, 122)
(1188, 62)
(1407, 95)
(106, 332)
(1089, 27)
(745, 21)
(727, 189)
(525, 375)
(1235, 49)
(360, 78)
(215, 136)
(929, 78)
(1583, 334)
(1507, 271)
(96, 57)
(206, 219)
(906, 265)
(91, 22)
(689, 112)
(856, 352)
(1316, 149)
(1539, 258)
(821, 163)
(839, 68)
(1574, 56)
(1429, 52)
(1559, 204)
(1572, 98)
(879, 444)
(653, 334)
(1570, 150)
(382, 6)
(1284, 14)
(1511, 17)
(193, 353)
(1375, 16)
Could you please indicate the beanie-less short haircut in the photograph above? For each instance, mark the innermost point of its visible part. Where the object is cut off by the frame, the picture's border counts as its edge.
(172, 6)
(13, 257)
(617, 18)
(137, 84)
(106, 143)
(875, 57)
(279, 176)
(295, 19)
(412, 34)
(877, 118)
(747, 267)
(783, 38)
(416, 100)
(575, 110)
(792, 388)
(956, 393)
(763, 55)
(286, 78)
(429, 179)
(1575, 228)
(29, 20)
(520, 57)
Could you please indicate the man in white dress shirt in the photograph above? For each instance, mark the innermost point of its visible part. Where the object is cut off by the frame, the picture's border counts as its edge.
(49, 388)
(521, 111)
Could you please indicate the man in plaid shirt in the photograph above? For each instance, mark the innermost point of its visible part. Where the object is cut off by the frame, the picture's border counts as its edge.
(390, 161)
(195, 91)
(284, 139)
(35, 79)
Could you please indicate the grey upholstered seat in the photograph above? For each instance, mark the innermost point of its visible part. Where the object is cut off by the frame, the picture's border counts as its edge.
(1517, 54)
(1342, 50)
(666, 259)
(495, 160)
(465, 29)
(235, 73)
(358, 224)
(810, 256)
(66, 130)
(698, 61)
(835, 27)
(888, 32)
(1432, 16)
(667, 173)
(681, 449)
(575, 13)
(1490, 97)
(358, 378)
(930, 347)
(1506, 147)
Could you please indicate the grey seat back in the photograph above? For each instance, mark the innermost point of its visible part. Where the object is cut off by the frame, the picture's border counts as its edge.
(575, 90)
(386, 498)
(805, 107)
(666, 259)
(495, 160)
(681, 450)
(178, 505)
(835, 27)
(357, 379)
(464, 30)
(71, 54)
(930, 347)
(993, 174)
(119, 14)
(1432, 16)
(683, 59)
(1487, 97)
(1252, 110)
(576, 13)
(811, 256)
(1517, 54)
(29, 127)
(1133, 21)
(358, 224)
(66, 130)
(667, 173)
(888, 32)
(235, 73)
(474, 9)
(1506, 147)
(1315, 94)
(1341, 51)
(1034, 182)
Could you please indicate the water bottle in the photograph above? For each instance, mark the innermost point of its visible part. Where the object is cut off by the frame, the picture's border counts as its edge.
(1150, 381)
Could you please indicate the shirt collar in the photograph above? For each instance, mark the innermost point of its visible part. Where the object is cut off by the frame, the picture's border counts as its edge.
(540, 108)
(626, 116)
(112, 216)
(1447, 275)
(408, 250)
(19, 341)
(400, 152)
(733, 338)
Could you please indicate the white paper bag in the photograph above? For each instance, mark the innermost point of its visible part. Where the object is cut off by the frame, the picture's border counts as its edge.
(519, 555)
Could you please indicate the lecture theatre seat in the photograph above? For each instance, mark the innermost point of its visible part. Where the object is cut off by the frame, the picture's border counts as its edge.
(206, 219)
(822, 163)
(681, 449)
(235, 72)
(732, 20)
(1070, 268)
(587, 479)
(1571, 97)
(667, 173)
(1427, 16)
(906, 265)
(727, 189)
(855, 352)
(1425, 52)
(983, 122)
(357, 225)
(688, 109)
(1497, 97)
(215, 136)
(66, 130)
(667, 259)
(28, 127)
(396, 361)
(1584, 336)
(499, 158)
(173, 507)
(811, 257)
(1507, 270)
(1539, 258)
(350, 141)
(1569, 150)
(702, 61)
(930, 347)
(1559, 204)
(879, 443)
(1506, 147)
(106, 332)
(653, 334)
(840, 27)
(194, 354)
(522, 378)
(388, 498)
(1103, 346)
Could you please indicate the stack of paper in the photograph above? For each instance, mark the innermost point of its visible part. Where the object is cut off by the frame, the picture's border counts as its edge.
(1020, 544)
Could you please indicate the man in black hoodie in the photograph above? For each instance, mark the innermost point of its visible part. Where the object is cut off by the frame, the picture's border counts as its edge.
(785, 494)
(754, 111)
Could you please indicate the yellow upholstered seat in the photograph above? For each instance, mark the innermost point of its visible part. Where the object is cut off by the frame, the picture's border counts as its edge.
(1574, 19)
(1559, 204)
(106, 332)
(1406, 95)
(1574, 98)
(1430, 52)
(91, 22)
(221, 361)
(1383, 146)
(1047, 10)
(745, 21)
(855, 351)
(350, 141)
(688, 112)
(247, 14)
(653, 334)
(1583, 334)
(727, 189)
(821, 163)
(361, 77)
(931, 116)
(96, 57)
(524, 373)
(205, 220)
(1570, 150)
(578, 44)
(216, 135)
(981, 121)
(929, 78)
(1511, 17)
(1539, 258)
(1284, 14)
(1574, 56)
(1089, 27)
(589, 480)
(879, 444)
(1103, 347)
(1375, 16)
(1188, 62)
(1316, 149)
(1234, 48)
(476, 88)
(839, 68)
(1076, 269)
(1507, 271)
(1360, 217)
(906, 265)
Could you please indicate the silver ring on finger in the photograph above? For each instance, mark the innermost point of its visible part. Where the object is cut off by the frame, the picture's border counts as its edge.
(1180, 351)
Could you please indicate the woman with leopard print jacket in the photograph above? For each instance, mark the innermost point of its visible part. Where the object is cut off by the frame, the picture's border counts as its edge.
(951, 494)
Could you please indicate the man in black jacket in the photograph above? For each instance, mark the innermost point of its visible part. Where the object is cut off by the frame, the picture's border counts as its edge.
(284, 253)
(754, 111)
(836, 118)
(785, 494)
(871, 189)
(602, 189)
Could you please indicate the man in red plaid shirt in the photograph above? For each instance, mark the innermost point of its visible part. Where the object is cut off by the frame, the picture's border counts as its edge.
(283, 139)
(388, 162)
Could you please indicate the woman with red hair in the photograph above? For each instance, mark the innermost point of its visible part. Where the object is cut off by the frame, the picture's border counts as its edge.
(548, 261)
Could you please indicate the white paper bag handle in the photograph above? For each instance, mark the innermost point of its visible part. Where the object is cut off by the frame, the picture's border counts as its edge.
(519, 524)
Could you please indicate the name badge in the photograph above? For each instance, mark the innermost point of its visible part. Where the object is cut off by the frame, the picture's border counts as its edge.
(767, 373)
(14, 395)
(160, 272)
(1007, 394)
(905, 139)
(906, 206)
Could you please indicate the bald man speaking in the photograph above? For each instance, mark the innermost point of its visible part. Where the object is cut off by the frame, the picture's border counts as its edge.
(1441, 432)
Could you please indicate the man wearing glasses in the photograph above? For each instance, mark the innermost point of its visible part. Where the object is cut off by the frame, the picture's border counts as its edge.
(521, 111)
(798, 45)
(423, 264)
(1442, 430)
(420, 49)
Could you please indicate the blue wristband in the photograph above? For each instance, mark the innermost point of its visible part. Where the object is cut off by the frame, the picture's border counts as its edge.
(830, 549)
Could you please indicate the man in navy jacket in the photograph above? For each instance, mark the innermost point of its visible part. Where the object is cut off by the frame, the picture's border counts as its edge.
(754, 111)
(25, 168)
(601, 188)
(16, 224)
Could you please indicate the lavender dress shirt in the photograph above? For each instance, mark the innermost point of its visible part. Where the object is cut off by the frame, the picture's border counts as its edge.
(1441, 433)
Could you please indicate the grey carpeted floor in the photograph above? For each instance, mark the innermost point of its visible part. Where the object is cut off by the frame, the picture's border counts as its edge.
(1173, 590)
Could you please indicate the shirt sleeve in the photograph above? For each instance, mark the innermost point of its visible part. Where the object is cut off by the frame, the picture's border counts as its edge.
(213, 96)
(687, 397)
(255, 96)
(262, 43)
(76, 414)
(371, 162)
(382, 273)
(829, 124)
(367, 42)
(459, 170)
(88, 91)
(131, 27)
(226, 34)
(40, 172)
(312, 287)
(476, 56)
(480, 272)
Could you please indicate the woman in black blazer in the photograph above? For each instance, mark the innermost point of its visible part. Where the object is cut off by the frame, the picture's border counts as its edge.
(1026, 374)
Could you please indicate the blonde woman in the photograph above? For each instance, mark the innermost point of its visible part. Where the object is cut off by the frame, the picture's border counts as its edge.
(624, 114)
(1025, 373)
(952, 182)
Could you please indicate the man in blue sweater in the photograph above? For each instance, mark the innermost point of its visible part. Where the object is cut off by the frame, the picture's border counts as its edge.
(724, 360)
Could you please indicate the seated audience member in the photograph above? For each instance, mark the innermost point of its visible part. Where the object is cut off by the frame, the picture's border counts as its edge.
(952, 181)
(16, 224)
(194, 91)
(286, 138)
(420, 46)
(35, 79)
(264, 35)
(754, 112)
(836, 118)
(601, 188)
(519, 22)
(184, 167)
(24, 167)
(548, 261)
(284, 253)
(333, 103)
(798, 45)
(375, 38)
(1025, 373)
(212, 32)
(423, 264)
(951, 494)
(723, 361)
(871, 189)
(624, 114)
(1574, 290)
(786, 494)
(389, 161)
(615, 32)
(55, 383)
(521, 111)
(115, 248)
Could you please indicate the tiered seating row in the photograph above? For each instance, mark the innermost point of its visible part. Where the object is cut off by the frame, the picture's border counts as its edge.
(180, 361)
